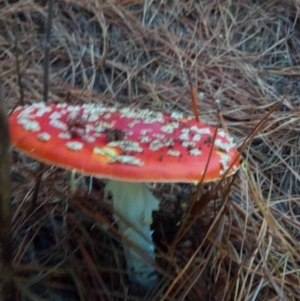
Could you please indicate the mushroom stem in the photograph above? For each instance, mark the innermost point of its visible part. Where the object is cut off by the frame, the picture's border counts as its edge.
(134, 202)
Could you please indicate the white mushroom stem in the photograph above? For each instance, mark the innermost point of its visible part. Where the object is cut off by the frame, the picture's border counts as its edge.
(135, 203)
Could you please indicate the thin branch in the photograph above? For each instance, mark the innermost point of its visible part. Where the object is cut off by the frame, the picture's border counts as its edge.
(18, 70)
(47, 46)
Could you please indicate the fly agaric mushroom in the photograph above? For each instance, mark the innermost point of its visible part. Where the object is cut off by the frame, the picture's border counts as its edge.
(128, 147)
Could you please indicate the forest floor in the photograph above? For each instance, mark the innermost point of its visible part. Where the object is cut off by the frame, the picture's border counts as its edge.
(243, 57)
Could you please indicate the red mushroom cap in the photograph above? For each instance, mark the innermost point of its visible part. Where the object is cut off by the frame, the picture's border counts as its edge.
(122, 144)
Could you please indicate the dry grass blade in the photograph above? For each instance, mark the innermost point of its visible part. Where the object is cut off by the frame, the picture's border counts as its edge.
(193, 98)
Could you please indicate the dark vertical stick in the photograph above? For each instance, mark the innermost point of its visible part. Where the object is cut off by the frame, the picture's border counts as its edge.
(18, 69)
(7, 291)
(47, 46)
